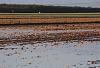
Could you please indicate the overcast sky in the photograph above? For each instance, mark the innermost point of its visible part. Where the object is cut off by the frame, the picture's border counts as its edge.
(86, 3)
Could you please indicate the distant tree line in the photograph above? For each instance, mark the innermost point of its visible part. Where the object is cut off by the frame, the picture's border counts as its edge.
(22, 8)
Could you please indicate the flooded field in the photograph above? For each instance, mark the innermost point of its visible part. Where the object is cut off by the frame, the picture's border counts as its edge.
(54, 47)
(47, 55)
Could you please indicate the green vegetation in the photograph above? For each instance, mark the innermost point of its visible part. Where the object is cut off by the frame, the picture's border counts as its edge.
(23, 8)
(54, 14)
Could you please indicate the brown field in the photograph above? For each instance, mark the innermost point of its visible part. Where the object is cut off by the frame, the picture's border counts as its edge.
(22, 19)
(53, 27)
(10, 35)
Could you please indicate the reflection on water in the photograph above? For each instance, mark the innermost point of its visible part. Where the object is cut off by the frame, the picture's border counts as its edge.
(49, 54)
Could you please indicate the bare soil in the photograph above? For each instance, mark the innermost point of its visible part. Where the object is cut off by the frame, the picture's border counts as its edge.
(19, 19)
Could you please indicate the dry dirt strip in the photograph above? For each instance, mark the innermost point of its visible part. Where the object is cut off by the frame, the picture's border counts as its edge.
(47, 18)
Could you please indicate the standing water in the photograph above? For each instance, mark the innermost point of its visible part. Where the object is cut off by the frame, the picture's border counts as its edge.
(55, 54)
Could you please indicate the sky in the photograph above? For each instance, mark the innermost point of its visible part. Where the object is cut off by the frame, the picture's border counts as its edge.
(83, 3)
